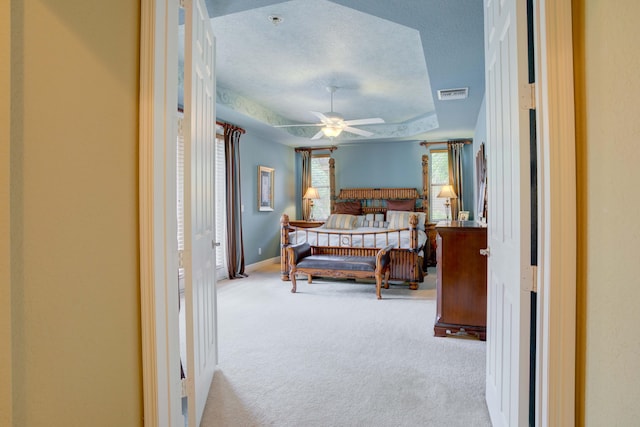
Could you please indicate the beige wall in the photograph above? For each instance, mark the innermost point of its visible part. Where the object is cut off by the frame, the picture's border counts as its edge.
(608, 112)
(76, 352)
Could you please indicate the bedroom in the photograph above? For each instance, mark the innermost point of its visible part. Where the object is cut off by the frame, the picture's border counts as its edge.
(370, 84)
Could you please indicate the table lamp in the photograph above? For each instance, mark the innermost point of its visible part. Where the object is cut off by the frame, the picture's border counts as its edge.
(448, 193)
(311, 194)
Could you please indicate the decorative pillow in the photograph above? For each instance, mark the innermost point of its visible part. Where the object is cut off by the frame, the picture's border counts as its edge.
(398, 219)
(351, 208)
(374, 217)
(401, 205)
(376, 224)
(360, 220)
(375, 220)
(341, 222)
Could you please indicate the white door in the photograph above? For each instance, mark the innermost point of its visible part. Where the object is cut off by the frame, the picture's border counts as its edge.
(509, 272)
(200, 271)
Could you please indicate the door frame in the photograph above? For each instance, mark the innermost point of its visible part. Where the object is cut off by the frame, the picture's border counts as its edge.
(557, 257)
(159, 292)
(556, 281)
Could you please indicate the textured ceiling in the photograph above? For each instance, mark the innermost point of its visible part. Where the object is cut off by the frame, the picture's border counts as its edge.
(388, 59)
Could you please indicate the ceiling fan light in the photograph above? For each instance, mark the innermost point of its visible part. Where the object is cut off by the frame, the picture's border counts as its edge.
(331, 131)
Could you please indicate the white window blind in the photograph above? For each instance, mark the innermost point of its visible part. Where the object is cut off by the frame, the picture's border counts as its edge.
(180, 192)
(320, 180)
(439, 172)
(221, 206)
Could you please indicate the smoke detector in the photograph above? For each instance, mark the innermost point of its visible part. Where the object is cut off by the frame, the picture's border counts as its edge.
(451, 94)
(276, 19)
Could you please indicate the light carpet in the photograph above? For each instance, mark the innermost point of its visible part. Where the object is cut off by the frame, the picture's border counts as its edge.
(334, 355)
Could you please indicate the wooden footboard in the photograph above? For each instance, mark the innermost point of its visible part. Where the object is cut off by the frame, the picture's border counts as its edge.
(406, 264)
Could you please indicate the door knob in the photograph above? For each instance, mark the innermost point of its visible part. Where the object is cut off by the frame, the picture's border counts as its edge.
(485, 252)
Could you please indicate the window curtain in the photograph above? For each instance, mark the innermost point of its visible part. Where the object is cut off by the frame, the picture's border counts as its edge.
(455, 150)
(305, 155)
(235, 245)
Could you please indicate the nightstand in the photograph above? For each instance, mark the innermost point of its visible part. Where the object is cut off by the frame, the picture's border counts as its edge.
(305, 224)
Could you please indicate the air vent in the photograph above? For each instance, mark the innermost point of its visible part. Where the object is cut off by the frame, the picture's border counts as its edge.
(451, 94)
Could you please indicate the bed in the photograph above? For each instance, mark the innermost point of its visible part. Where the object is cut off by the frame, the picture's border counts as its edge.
(383, 216)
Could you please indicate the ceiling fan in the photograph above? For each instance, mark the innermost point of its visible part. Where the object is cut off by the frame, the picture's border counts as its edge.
(333, 123)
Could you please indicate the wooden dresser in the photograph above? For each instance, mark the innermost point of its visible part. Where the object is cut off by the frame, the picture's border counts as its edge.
(462, 279)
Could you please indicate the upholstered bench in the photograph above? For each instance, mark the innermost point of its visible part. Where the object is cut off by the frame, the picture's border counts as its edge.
(303, 259)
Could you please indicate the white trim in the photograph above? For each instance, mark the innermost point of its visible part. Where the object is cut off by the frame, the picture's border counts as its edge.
(158, 251)
(555, 382)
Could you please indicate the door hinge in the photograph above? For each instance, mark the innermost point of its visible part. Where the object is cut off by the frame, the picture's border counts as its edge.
(528, 96)
(180, 259)
(534, 278)
(183, 387)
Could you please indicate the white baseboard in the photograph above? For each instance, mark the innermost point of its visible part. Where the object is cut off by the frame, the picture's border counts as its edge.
(260, 264)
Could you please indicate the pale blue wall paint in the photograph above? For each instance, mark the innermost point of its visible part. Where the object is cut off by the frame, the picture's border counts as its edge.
(468, 165)
(376, 165)
(261, 229)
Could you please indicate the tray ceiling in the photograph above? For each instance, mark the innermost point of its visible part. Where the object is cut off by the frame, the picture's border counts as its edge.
(388, 60)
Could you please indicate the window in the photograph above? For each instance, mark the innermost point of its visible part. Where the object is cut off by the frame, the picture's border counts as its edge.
(320, 179)
(180, 194)
(221, 206)
(439, 171)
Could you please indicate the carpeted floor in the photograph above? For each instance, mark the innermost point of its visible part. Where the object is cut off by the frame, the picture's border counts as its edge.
(334, 355)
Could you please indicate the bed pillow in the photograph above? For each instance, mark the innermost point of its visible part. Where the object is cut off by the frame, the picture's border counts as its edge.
(400, 219)
(401, 205)
(375, 220)
(341, 222)
(351, 208)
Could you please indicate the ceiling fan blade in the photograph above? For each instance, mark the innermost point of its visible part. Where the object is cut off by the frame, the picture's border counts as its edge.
(318, 135)
(320, 116)
(357, 131)
(304, 124)
(370, 121)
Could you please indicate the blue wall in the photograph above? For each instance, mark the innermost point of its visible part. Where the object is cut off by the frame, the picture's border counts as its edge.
(381, 164)
(261, 229)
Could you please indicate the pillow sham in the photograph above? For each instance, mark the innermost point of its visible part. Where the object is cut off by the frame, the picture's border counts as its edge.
(341, 222)
(401, 205)
(351, 208)
(400, 219)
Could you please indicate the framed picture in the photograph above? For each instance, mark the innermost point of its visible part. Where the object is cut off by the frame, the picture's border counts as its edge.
(463, 216)
(265, 188)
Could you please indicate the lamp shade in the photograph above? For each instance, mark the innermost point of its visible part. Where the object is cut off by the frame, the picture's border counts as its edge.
(447, 192)
(311, 193)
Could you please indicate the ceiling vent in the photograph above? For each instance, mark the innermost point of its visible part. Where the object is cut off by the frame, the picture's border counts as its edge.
(451, 94)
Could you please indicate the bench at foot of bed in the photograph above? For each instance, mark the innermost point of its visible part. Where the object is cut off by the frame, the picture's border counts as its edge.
(302, 260)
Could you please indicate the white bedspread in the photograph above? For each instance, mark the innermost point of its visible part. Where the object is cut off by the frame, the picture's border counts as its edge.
(352, 238)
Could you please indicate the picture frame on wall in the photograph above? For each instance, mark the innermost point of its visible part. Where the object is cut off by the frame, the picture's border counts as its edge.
(265, 188)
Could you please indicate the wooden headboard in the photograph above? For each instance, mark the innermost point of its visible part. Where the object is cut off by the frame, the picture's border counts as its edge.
(374, 200)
